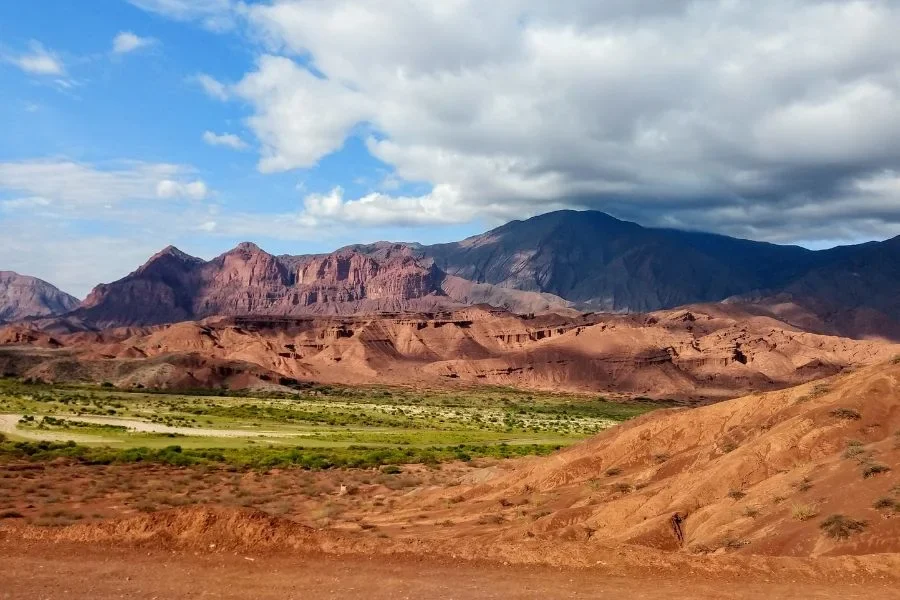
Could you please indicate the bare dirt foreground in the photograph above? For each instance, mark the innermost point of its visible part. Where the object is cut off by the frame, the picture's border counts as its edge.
(45, 570)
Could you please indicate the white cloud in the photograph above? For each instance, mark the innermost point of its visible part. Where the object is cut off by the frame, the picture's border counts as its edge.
(215, 15)
(126, 41)
(195, 190)
(229, 140)
(39, 61)
(712, 114)
(213, 87)
(75, 185)
(442, 205)
(299, 117)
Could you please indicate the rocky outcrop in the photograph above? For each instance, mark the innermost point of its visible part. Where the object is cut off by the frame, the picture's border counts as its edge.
(720, 353)
(22, 296)
(173, 286)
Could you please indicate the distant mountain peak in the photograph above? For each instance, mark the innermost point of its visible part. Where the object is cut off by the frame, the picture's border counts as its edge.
(22, 296)
(247, 247)
(172, 251)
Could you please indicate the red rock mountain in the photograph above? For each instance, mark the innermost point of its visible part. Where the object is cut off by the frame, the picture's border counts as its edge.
(22, 296)
(173, 286)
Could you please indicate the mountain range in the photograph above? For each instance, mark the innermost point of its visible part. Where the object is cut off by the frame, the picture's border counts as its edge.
(557, 262)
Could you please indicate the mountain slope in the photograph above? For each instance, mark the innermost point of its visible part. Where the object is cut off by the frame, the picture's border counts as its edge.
(22, 296)
(600, 263)
(603, 263)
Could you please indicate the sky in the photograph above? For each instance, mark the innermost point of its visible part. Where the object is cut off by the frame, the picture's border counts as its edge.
(306, 125)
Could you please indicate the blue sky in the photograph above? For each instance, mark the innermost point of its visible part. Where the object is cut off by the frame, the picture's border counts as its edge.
(108, 108)
(305, 125)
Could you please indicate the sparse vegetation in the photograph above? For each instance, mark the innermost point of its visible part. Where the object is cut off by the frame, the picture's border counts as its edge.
(613, 471)
(661, 457)
(265, 457)
(804, 512)
(873, 469)
(736, 494)
(840, 527)
(318, 426)
(887, 504)
(848, 414)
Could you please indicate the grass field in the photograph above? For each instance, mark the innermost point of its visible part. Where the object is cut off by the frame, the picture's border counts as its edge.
(323, 426)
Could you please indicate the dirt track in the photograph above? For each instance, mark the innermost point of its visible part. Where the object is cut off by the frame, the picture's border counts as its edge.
(47, 570)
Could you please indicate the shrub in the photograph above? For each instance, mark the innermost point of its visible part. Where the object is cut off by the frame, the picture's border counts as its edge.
(804, 484)
(661, 457)
(874, 469)
(736, 494)
(854, 449)
(11, 514)
(613, 472)
(848, 414)
(804, 512)
(839, 527)
(886, 503)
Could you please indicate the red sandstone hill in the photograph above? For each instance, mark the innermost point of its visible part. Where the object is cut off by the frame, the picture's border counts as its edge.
(761, 474)
(691, 354)
(173, 286)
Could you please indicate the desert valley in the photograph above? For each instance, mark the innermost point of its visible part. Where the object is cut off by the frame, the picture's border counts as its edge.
(450, 299)
(491, 402)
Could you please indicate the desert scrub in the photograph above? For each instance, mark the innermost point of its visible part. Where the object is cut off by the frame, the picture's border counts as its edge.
(804, 512)
(886, 504)
(848, 414)
(736, 494)
(854, 449)
(873, 469)
(840, 527)
(266, 458)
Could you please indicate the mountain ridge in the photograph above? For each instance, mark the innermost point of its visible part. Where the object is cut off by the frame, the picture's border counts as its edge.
(559, 261)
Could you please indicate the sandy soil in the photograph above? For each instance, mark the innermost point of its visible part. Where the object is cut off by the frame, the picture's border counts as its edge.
(8, 425)
(39, 571)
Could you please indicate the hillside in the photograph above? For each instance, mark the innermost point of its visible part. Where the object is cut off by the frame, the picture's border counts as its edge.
(22, 296)
(762, 474)
(691, 355)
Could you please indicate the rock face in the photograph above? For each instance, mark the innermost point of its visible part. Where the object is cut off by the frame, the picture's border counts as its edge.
(22, 296)
(173, 287)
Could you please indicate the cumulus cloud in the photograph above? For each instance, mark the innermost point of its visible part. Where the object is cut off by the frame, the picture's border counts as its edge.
(126, 41)
(229, 140)
(292, 103)
(760, 119)
(39, 61)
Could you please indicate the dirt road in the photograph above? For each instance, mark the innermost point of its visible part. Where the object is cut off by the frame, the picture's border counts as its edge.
(47, 570)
